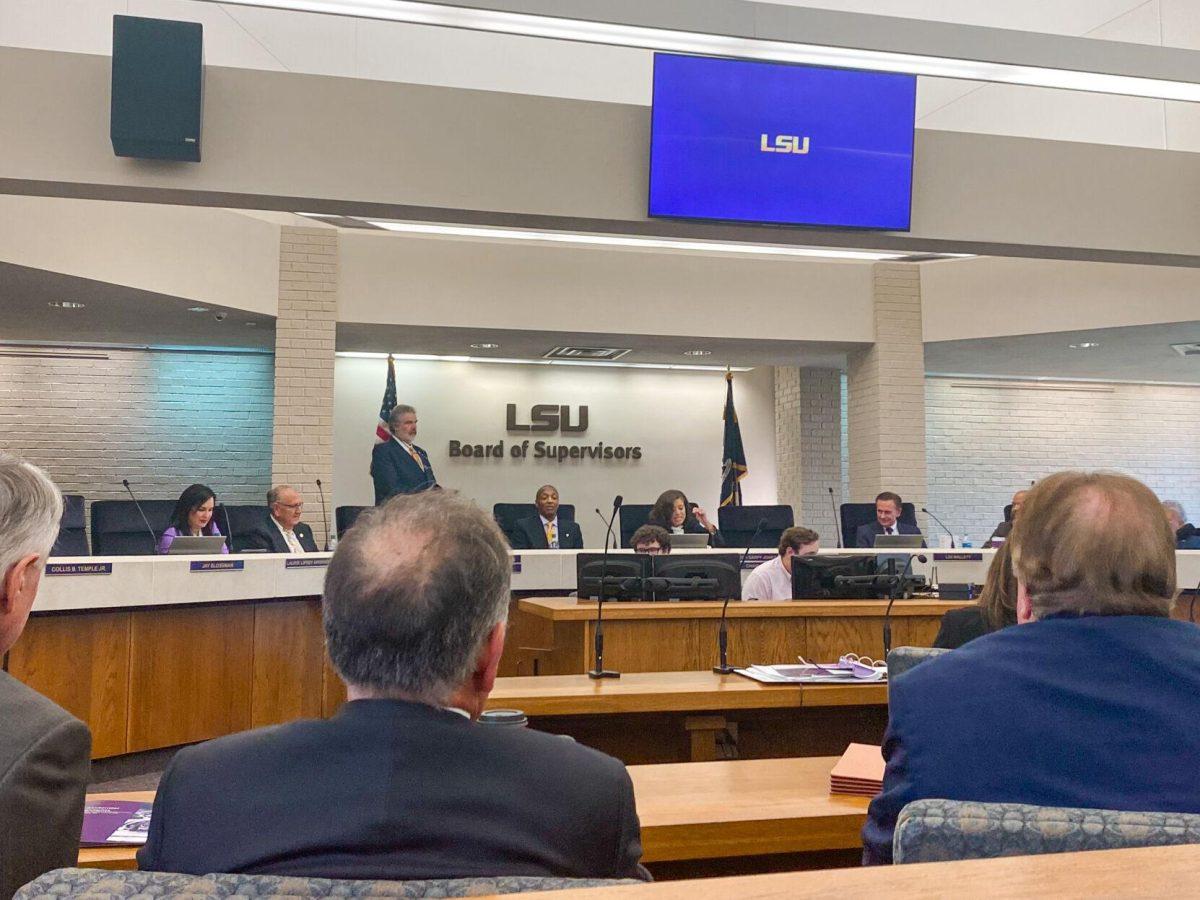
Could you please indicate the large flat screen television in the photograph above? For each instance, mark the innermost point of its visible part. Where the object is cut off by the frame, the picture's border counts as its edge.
(783, 144)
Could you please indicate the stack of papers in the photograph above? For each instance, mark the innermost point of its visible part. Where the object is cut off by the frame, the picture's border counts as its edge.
(115, 822)
(858, 772)
(824, 673)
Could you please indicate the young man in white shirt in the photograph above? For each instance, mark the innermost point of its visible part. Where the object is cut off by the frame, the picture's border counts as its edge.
(773, 579)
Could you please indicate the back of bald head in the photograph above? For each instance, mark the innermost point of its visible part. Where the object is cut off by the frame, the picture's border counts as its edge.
(1094, 543)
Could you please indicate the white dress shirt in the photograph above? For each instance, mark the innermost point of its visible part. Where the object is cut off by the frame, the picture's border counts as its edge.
(552, 538)
(289, 537)
(769, 581)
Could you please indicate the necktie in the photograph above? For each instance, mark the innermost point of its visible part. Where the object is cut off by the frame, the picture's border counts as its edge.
(551, 536)
(415, 455)
(293, 542)
(891, 530)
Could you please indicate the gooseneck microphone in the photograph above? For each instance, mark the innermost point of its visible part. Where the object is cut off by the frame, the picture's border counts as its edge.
(723, 667)
(149, 530)
(598, 671)
(837, 526)
(228, 528)
(940, 522)
(609, 532)
(324, 513)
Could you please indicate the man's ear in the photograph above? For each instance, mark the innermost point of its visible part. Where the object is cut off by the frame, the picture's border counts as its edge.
(489, 659)
(18, 589)
(1024, 604)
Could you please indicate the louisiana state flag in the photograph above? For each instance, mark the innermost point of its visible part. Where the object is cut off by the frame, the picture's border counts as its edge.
(733, 463)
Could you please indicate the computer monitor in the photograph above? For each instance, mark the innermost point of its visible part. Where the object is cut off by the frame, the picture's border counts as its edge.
(814, 577)
(624, 575)
(899, 541)
(188, 544)
(697, 576)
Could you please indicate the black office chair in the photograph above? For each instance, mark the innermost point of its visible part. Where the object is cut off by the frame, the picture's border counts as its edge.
(238, 520)
(1008, 513)
(344, 517)
(508, 514)
(854, 515)
(118, 528)
(72, 536)
(738, 523)
(632, 517)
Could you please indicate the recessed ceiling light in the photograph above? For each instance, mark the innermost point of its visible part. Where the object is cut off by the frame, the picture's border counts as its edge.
(66, 304)
(1084, 345)
(197, 309)
(485, 346)
(697, 353)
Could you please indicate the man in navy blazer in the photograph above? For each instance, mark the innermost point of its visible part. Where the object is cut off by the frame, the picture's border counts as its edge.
(887, 521)
(546, 530)
(398, 466)
(1091, 701)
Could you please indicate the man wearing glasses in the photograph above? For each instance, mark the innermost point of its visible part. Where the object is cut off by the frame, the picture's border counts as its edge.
(283, 532)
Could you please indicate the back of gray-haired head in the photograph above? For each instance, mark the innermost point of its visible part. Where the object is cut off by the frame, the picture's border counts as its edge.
(412, 593)
(399, 411)
(30, 510)
(1176, 507)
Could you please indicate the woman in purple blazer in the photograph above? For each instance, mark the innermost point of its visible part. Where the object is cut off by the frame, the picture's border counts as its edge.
(193, 515)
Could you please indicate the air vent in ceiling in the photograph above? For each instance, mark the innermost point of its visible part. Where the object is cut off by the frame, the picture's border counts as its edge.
(589, 353)
(1187, 349)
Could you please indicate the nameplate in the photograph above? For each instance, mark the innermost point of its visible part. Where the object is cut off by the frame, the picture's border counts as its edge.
(958, 557)
(79, 568)
(516, 563)
(305, 563)
(218, 565)
(754, 560)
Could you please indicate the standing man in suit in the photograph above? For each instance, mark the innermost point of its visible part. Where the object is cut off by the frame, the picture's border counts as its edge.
(44, 751)
(403, 782)
(887, 521)
(1092, 698)
(545, 531)
(398, 466)
(283, 532)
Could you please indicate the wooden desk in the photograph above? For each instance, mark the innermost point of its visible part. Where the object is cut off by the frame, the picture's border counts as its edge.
(660, 717)
(558, 633)
(694, 812)
(1140, 872)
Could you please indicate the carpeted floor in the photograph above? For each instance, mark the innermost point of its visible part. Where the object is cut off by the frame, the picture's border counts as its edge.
(147, 781)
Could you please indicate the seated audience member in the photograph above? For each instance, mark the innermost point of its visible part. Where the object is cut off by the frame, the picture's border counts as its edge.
(672, 512)
(1091, 701)
(193, 516)
(887, 521)
(652, 540)
(283, 532)
(996, 609)
(44, 751)
(402, 783)
(1002, 530)
(773, 579)
(1186, 535)
(545, 531)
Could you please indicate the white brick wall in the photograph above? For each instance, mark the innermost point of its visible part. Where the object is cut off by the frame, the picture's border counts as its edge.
(161, 419)
(989, 438)
(808, 444)
(304, 355)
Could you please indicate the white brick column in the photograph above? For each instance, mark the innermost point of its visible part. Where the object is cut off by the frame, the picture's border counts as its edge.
(887, 393)
(302, 442)
(808, 438)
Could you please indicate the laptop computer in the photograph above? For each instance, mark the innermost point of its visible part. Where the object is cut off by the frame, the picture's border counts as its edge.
(196, 545)
(899, 541)
(688, 541)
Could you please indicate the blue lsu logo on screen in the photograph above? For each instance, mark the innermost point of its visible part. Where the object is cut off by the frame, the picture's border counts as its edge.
(768, 142)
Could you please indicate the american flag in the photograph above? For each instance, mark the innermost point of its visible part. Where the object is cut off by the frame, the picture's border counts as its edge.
(382, 432)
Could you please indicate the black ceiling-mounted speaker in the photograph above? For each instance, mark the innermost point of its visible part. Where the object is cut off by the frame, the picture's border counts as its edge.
(157, 88)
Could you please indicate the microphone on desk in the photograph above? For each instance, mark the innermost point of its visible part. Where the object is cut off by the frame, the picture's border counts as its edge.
(324, 513)
(940, 522)
(228, 528)
(149, 530)
(837, 526)
(723, 667)
(894, 591)
(598, 671)
(609, 532)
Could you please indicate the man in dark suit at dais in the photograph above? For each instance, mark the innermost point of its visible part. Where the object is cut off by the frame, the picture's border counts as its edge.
(547, 530)
(1090, 701)
(403, 782)
(398, 465)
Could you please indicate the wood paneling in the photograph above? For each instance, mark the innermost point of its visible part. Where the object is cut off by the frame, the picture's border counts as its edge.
(190, 674)
(81, 662)
(289, 662)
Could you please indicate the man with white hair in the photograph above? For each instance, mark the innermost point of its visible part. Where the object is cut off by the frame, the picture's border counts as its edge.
(44, 751)
(1187, 537)
(403, 783)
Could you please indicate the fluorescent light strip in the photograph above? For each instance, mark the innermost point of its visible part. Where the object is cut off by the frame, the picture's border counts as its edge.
(431, 357)
(604, 240)
(742, 48)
